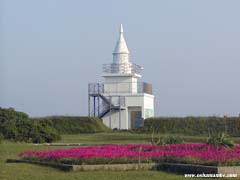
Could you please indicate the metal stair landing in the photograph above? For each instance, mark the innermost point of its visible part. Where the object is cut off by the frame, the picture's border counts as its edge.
(100, 104)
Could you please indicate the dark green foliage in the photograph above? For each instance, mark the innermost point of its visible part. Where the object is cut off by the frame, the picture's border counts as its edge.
(42, 134)
(74, 124)
(8, 122)
(167, 140)
(174, 140)
(193, 125)
(219, 139)
(18, 127)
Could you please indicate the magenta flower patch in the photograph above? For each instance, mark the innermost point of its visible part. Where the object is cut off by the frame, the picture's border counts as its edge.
(135, 152)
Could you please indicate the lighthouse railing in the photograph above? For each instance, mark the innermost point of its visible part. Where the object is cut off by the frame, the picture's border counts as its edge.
(124, 68)
(119, 88)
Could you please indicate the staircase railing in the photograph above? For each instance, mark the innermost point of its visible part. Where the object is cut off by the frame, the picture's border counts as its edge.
(108, 103)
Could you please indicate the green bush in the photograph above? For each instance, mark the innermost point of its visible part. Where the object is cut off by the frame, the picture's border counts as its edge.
(193, 125)
(166, 140)
(174, 140)
(8, 122)
(74, 124)
(17, 126)
(219, 139)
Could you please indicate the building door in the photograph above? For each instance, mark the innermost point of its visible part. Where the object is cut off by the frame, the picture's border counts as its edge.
(136, 119)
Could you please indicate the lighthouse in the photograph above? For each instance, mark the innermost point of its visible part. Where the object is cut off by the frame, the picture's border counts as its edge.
(122, 100)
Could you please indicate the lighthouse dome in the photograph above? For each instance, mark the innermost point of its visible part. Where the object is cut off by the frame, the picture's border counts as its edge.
(121, 52)
(121, 46)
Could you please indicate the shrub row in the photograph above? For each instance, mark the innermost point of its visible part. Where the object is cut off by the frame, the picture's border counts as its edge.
(193, 125)
(74, 124)
(17, 126)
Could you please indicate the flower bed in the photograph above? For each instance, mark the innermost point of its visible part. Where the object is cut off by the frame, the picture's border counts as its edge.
(139, 153)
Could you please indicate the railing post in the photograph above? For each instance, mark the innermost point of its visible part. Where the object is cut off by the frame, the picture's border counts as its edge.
(98, 97)
(110, 113)
(119, 111)
(89, 100)
(94, 108)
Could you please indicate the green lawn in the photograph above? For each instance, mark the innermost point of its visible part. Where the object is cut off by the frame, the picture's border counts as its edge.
(118, 138)
(15, 171)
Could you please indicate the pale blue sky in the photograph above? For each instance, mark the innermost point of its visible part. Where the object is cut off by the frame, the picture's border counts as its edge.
(51, 49)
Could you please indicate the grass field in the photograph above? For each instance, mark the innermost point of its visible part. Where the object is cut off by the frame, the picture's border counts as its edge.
(22, 171)
(124, 138)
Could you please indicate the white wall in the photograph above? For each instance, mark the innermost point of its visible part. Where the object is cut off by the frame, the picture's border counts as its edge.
(120, 84)
(143, 102)
(112, 120)
(148, 108)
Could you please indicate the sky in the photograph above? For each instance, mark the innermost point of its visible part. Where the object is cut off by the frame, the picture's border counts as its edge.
(51, 49)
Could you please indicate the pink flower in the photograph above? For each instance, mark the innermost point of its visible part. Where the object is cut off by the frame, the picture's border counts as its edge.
(134, 151)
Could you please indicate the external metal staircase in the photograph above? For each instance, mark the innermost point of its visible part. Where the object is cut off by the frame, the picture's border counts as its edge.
(100, 104)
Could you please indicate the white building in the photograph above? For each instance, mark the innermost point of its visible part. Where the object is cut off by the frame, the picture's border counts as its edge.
(121, 101)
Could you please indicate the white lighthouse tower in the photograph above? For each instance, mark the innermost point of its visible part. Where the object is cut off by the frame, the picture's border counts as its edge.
(122, 101)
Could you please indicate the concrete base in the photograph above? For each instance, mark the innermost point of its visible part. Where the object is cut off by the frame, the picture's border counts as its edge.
(199, 169)
(170, 167)
(67, 167)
